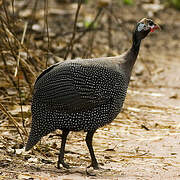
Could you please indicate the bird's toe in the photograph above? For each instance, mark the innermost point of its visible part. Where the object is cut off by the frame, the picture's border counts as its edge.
(65, 165)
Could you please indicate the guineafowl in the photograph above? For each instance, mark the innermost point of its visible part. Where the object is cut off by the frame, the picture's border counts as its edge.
(83, 94)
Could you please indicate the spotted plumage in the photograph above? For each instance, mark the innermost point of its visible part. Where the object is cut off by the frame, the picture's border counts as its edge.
(76, 95)
(82, 95)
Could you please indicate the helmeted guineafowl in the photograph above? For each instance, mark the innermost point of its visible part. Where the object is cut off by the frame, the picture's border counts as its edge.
(83, 94)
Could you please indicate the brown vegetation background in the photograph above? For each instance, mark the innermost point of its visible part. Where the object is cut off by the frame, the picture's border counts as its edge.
(143, 142)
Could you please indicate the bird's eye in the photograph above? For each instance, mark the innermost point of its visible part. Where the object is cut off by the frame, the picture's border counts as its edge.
(151, 23)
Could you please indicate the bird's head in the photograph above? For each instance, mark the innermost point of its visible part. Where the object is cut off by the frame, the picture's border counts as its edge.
(143, 28)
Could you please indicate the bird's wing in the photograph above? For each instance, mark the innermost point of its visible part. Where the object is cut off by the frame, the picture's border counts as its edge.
(70, 88)
(46, 71)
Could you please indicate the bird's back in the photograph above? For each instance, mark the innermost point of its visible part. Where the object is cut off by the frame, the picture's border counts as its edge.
(80, 85)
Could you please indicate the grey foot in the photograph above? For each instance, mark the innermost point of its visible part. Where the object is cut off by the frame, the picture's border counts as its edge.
(94, 165)
(65, 165)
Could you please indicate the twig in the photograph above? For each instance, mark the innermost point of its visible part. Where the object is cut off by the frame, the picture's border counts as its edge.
(9, 34)
(47, 27)
(13, 9)
(90, 45)
(7, 71)
(3, 109)
(19, 90)
(5, 10)
(70, 46)
(22, 41)
(89, 27)
(113, 16)
(110, 30)
(33, 14)
(17, 59)
(84, 31)
(77, 31)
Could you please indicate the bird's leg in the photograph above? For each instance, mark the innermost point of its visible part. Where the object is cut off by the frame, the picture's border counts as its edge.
(89, 137)
(61, 153)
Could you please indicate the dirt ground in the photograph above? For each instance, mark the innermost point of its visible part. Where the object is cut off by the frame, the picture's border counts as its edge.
(143, 142)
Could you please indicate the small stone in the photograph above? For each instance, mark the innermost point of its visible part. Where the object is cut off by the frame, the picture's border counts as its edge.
(19, 151)
(33, 160)
(173, 96)
(139, 70)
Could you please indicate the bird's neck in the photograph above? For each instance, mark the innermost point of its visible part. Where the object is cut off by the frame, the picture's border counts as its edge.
(132, 54)
(135, 45)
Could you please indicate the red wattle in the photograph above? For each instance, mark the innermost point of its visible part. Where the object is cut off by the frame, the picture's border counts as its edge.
(152, 30)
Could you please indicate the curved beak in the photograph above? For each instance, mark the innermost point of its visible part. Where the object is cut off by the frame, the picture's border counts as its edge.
(155, 27)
